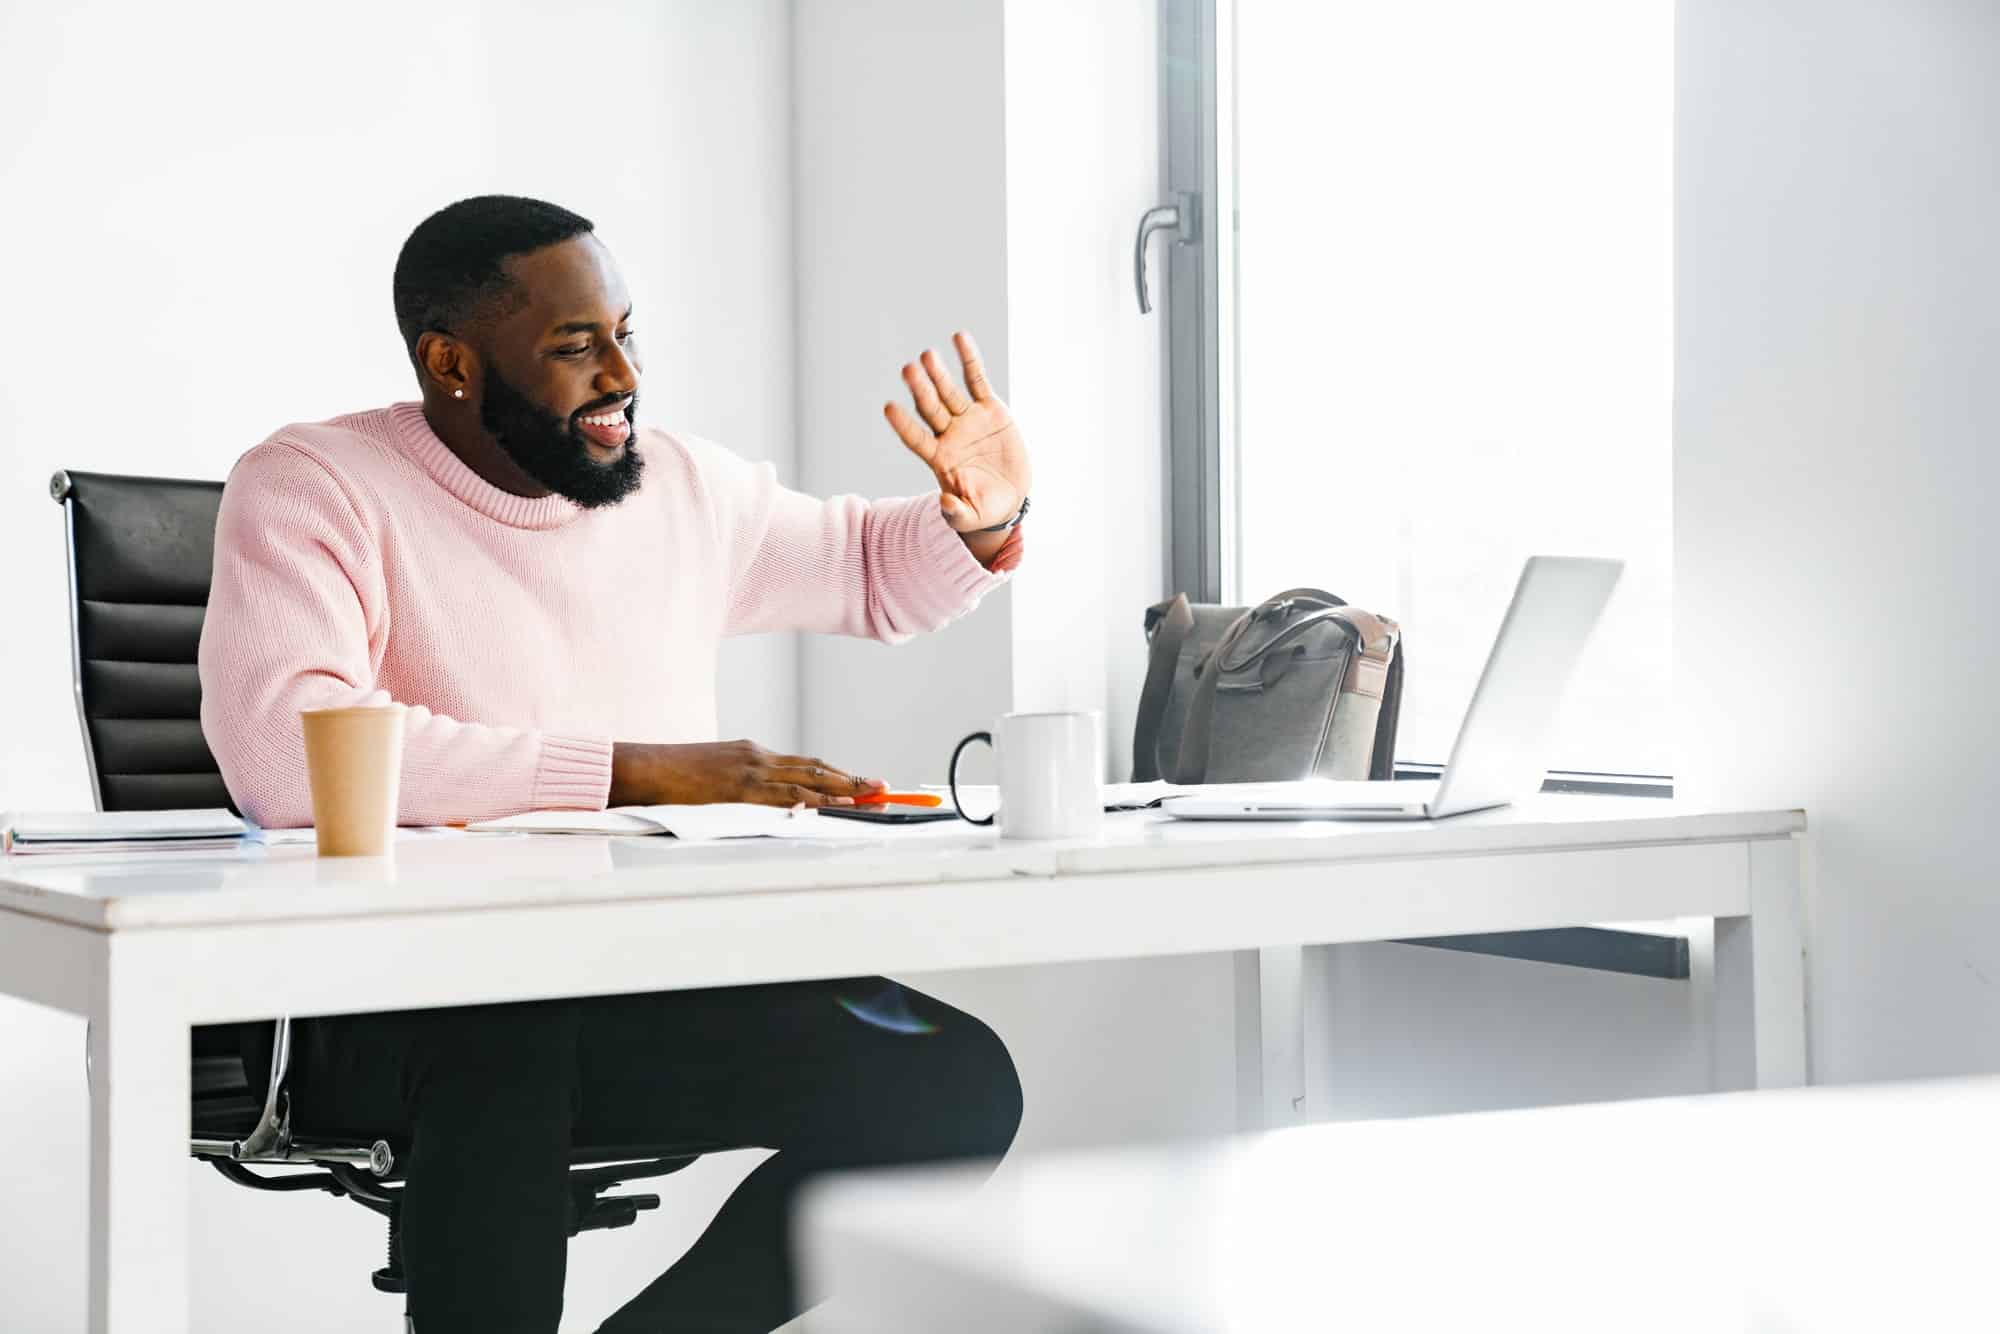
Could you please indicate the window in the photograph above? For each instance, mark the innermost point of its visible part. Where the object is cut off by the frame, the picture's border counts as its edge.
(1440, 337)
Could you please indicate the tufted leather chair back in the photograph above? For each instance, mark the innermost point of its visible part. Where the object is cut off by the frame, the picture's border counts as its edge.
(140, 554)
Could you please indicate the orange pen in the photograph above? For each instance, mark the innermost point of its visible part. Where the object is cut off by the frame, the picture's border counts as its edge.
(899, 799)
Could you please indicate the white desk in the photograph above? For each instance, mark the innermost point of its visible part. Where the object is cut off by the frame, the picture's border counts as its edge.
(145, 947)
(1863, 1208)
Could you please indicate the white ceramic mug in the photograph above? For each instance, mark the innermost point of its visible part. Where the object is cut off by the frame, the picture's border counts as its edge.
(1051, 774)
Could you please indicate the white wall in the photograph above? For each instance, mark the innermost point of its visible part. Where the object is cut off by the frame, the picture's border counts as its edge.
(1082, 163)
(202, 207)
(901, 233)
(980, 164)
(1837, 413)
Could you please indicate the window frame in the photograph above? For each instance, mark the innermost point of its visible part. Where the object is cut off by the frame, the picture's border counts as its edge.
(1197, 134)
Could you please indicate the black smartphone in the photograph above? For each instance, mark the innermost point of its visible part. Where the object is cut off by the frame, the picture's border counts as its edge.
(890, 814)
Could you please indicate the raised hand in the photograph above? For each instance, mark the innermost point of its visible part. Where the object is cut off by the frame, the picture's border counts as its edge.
(966, 435)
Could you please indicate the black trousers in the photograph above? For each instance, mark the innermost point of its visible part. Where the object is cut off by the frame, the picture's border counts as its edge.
(851, 1073)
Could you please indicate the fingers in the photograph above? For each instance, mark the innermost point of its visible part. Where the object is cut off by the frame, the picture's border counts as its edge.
(812, 784)
(923, 389)
(791, 794)
(913, 432)
(953, 397)
(823, 781)
(975, 369)
(938, 397)
(820, 776)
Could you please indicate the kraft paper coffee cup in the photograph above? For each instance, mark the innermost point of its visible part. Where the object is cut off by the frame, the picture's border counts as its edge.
(354, 761)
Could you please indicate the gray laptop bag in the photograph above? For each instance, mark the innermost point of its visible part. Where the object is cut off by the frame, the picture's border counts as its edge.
(1300, 686)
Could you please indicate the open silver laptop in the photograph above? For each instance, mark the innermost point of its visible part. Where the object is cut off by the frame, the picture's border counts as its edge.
(1502, 749)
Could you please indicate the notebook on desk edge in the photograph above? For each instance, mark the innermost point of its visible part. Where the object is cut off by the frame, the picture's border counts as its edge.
(24, 832)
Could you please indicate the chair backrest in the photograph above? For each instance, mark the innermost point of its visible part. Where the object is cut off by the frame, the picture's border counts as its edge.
(140, 557)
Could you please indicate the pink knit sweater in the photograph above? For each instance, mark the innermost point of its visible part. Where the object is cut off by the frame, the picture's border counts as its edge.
(359, 561)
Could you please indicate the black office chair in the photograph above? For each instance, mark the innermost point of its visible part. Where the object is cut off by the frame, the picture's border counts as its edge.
(141, 551)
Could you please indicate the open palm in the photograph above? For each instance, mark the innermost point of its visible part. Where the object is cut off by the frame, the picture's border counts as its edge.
(969, 439)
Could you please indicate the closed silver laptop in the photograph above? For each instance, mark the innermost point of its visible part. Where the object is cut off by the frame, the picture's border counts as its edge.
(1501, 753)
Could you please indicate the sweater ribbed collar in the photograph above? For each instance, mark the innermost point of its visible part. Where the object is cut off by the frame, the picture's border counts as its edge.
(434, 456)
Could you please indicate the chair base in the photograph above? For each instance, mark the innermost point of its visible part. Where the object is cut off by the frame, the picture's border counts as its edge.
(609, 1212)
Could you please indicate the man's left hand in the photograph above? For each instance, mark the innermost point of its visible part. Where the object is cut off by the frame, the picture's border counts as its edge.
(969, 439)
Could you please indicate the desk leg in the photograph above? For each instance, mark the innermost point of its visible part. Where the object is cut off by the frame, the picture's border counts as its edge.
(139, 1050)
(1270, 1037)
(1757, 978)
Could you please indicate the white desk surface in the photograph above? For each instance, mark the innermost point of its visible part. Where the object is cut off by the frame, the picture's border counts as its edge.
(442, 872)
(1864, 1207)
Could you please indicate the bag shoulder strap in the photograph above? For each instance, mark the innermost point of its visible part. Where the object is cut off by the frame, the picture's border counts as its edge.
(1168, 625)
(1380, 641)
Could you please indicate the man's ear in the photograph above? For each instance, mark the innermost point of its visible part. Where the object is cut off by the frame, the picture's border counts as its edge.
(447, 363)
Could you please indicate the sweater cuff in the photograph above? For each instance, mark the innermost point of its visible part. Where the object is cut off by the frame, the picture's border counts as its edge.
(952, 576)
(573, 773)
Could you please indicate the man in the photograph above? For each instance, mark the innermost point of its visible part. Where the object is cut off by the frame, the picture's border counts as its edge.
(543, 584)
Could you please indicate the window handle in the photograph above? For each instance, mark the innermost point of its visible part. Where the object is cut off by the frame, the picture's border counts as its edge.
(1183, 218)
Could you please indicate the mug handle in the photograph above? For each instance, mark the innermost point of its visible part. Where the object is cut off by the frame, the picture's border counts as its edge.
(951, 775)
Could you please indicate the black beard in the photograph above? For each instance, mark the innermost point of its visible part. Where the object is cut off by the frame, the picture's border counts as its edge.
(552, 450)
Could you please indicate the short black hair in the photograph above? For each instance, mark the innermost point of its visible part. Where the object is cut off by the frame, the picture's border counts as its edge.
(452, 262)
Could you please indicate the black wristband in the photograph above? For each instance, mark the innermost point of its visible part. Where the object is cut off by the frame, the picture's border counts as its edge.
(1014, 522)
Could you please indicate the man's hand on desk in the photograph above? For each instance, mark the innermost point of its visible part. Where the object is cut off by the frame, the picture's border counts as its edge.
(973, 445)
(643, 774)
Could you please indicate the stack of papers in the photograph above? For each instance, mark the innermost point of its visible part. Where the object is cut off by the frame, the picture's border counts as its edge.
(23, 832)
(689, 824)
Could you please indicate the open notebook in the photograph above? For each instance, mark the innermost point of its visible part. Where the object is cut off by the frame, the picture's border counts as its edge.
(689, 824)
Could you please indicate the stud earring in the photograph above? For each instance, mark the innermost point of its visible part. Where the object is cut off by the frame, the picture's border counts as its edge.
(458, 393)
